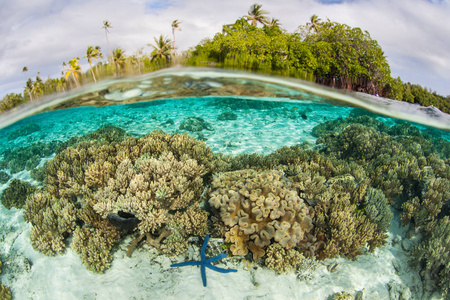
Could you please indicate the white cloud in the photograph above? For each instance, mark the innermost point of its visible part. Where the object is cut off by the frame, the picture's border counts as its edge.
(41, 34)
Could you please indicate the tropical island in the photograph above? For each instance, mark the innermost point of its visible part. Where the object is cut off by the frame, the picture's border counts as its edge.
(320, 51)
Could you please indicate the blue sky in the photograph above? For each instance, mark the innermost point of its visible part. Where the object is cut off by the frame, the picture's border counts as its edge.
(42, 34)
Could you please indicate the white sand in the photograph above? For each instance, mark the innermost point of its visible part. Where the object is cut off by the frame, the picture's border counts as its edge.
(147, 274)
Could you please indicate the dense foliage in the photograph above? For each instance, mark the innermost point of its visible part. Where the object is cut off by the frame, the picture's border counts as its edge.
(326, 52)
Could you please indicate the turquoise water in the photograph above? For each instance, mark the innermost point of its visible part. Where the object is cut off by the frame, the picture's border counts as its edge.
(154, 162)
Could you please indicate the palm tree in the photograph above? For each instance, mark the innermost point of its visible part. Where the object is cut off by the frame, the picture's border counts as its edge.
(136, 58)
(29, 88)
(93, 53)
(256, 14)
(313, 23)
(119, 58)
(38, 86)
(161, 49)
(175, 25)
(274, 23)
(24, 71)
(107, 25)
(74, 70)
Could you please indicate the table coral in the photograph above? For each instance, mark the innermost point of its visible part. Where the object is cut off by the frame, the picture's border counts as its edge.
(259, 208)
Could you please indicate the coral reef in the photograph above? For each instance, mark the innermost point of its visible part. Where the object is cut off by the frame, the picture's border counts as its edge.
(4, 177)
(174, 244)
(433, 253)
(239, 103)
(52, 219)
(5, 293)
(23, 131)
(343, 296)
(137, 184)
(282, 260)
(105, 134)
(16, 193)
(27, 157)
(346, 231)
(356, 116)
(195, 124)
(377, 209)
(150, 189)
(259, 208)
(407, 168)
(193, 221)
(227, 116)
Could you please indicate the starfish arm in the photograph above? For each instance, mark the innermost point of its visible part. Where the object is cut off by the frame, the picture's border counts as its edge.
(202, 270)
(215, 258)
(205, 243)
(186, 263)
(220, 270)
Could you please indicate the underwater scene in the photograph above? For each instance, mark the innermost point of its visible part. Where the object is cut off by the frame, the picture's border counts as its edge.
(205, 184)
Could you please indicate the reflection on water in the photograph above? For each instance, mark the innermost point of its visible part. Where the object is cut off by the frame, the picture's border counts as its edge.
(280, 174)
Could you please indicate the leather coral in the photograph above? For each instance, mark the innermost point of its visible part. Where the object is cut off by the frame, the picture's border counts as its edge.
(258, 209)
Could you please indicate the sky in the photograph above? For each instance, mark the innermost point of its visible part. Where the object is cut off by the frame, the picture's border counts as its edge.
(42, 34)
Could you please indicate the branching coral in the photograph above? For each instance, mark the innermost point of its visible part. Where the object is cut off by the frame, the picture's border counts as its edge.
(16, 193)
(52, 219)
(94, 245)
(5, 293)
(433, 252)
(346, 231)
(151, 180)
(150, 189)
(377, 209)
(282, 260)
(259, 208)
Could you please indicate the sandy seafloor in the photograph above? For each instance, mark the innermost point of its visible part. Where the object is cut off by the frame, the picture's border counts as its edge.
(384, 274)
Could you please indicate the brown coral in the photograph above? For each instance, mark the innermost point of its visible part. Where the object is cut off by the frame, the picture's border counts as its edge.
(150, 188)
(346, 231)
(259, 207)
(52, 219)
(282, 260)
(150, 179)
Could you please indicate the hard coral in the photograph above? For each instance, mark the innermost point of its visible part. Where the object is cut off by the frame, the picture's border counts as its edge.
(92, 182)
(16, 193)
(259, 208)
(345, 230)
(282, 260)
(150, 189)
(433, 252)
(52, 219)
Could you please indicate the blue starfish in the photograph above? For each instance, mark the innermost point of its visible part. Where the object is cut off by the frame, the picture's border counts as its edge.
(205, 262)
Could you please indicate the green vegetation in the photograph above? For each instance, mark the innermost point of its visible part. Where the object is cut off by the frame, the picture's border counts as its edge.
(325, 52)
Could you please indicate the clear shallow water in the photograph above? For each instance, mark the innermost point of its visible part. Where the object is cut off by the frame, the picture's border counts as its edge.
(234, 114)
